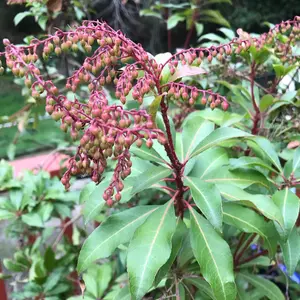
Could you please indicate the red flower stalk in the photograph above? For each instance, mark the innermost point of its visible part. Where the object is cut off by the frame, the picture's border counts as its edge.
(107, 129)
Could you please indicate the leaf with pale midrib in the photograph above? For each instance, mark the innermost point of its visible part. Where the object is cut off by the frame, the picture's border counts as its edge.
(149, 249)
(116, 230)
(214, 257)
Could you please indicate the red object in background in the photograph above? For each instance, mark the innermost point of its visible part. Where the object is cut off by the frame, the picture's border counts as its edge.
(2, 287)
(51, 162)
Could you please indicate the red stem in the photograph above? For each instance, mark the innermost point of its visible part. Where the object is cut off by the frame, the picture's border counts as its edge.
(264, 252)
(241, 253)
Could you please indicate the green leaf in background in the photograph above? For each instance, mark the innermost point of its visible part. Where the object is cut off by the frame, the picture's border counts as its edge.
(86, 192)
(193, 132)
(117, 229)
(97, 279)
(5, 214)
(266, 287)
(150, 248)
(150, 177)
(33, 219)
(20, 16)
(269, 151)
(247, 220)
(208, 200)
(202, 285)
(95, 202)
(184, 71)
(296, 159)
(214, 257)
(265, 102)
(218, 136)
(288, 204)
(207, 162)
(262, 203)
(174, 20)
(213, 16)
(290, 250)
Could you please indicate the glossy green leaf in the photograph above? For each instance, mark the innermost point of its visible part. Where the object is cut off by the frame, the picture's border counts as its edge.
(177, 240)
(218, 136)
(247, 220)
(150, 248)
(95, 203)
(214, 257)
(207, 162)
(266, 287)
(150, 177)
(296, 159)
(240, 178)
(147, 154)
(249, 162)
(207, 198)
(194, 131)
(117, 229)
(288, 204)
(20, 16)
(262, 203)
(269, 151)
(290, 251)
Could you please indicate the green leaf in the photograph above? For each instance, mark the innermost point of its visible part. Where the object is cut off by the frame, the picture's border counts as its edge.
(207, 162)
(174, 20)
(150, 248)
(290, 251)
(263, 261)
(97, 279)
(150, 13)
(154, 106)
(218, 136)
(147, 154)
(262, 203)
(265, 102)
(296, 160)
(193, 132)
(249, 162)
(288, 204)
(150, 177)
(95, 202)
(199, 28)
(266, 287)
(42, 21)
(117, 229)
(177, 240)
(269, 151)
(20, 16)
(86, 192)
(214, 257)
(247, 220)
(207, 198)
(33, 219)
(13, 266)
(213, 16)
(200, 284)
(5, 214)
(279, 70)
(241, 178)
